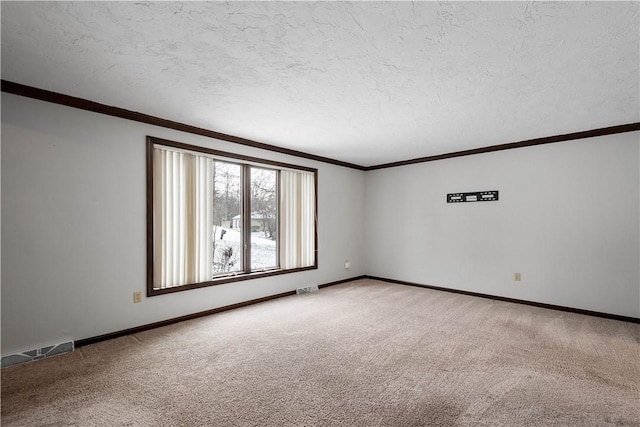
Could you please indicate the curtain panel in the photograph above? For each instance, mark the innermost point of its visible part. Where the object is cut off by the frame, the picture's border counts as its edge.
(183, 218)
(297, 219)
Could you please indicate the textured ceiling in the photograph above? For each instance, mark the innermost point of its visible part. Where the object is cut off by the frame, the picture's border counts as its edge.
(366, 83)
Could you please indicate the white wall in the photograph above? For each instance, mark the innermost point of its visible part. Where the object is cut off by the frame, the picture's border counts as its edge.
(73, 227)
(567, 219)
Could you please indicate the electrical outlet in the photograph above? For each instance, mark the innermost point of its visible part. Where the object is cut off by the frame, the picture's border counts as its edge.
(137, 297)
(517, 277)
(347, 264)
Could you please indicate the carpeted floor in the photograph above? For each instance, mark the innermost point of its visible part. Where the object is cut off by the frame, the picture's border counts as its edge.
(364, 353)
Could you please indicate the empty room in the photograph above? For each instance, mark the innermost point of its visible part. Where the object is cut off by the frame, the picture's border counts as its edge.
(320, 213)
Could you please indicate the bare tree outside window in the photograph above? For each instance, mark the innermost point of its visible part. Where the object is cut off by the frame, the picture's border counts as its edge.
(227, 233)
(264, 214)
(228, 223)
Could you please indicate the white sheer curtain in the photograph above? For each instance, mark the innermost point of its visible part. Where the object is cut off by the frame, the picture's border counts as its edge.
(297, 219)
(183, 218)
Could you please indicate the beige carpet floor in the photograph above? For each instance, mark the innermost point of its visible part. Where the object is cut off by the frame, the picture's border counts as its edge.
(364, 353)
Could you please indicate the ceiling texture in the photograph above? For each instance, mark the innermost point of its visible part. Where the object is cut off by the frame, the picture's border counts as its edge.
(361, 82)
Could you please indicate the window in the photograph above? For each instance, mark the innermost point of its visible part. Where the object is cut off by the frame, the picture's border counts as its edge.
(215, 217)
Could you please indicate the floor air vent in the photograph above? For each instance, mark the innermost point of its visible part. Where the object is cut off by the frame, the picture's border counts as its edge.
(307, 289)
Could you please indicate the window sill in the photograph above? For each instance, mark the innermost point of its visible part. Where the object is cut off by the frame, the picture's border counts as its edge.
(227, 279)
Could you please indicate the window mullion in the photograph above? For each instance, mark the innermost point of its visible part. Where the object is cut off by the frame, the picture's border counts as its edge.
(278, 234)
(246, 218)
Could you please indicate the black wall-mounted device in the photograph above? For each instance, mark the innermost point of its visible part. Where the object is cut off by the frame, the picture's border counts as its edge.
(477, 196)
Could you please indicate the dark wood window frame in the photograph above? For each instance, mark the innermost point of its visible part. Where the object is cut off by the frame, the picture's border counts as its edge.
(243, 160)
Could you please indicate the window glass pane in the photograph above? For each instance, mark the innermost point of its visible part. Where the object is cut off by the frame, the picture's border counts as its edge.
(264, 214)
(227, 220)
